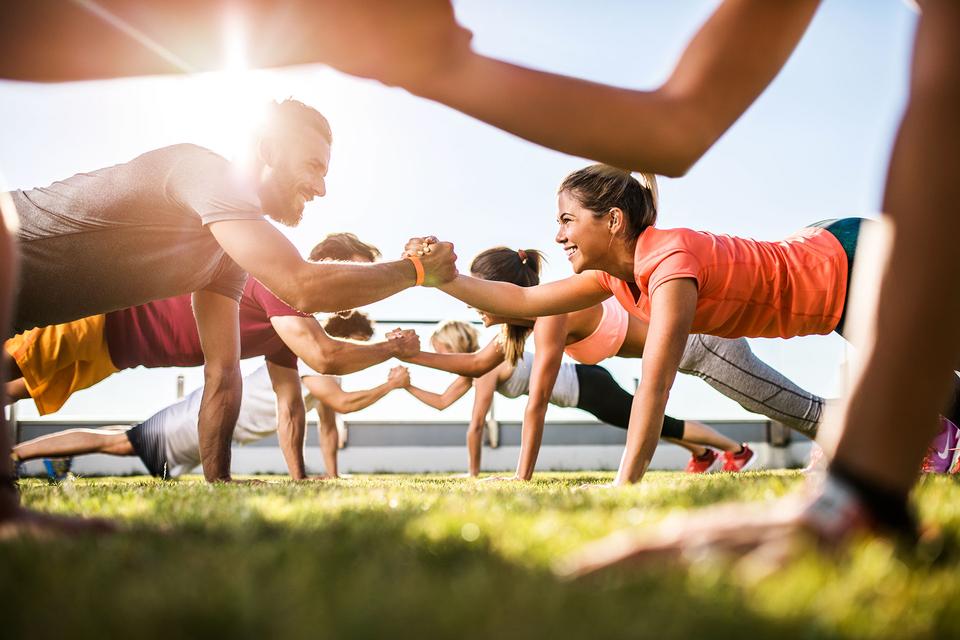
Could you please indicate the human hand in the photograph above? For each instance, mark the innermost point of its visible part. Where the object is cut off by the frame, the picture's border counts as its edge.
(439, 264)
(418, 246)
(764, 535)
(399, 377)
(405, 342)
(398, 43)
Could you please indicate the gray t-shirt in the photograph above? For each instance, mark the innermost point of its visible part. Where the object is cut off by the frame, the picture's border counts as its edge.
(128, 234)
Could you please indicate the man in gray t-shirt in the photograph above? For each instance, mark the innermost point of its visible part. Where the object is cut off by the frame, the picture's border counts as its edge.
(128, 234)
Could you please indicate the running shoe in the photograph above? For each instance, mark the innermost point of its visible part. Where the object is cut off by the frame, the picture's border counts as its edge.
(942, 453)
(702, 464)
(57, 468)
(739, 461)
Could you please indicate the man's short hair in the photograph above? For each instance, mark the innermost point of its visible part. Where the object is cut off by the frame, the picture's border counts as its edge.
(294, 114)
(343, 246)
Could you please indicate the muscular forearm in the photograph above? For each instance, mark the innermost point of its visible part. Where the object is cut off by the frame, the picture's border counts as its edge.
(291, 429)
(531, 438)
(340, 357)
(330, 287)
(219, 408)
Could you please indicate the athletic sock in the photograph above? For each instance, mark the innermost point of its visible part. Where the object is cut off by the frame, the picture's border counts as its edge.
(890, 510)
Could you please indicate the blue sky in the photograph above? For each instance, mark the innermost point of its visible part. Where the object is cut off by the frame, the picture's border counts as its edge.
(814, 146)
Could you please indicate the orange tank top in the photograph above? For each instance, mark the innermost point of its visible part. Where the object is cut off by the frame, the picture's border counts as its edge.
(747, 288)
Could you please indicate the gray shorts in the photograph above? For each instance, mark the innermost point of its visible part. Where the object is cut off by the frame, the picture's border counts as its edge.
(149, 443)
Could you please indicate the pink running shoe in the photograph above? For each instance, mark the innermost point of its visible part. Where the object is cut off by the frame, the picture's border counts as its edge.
(741, 461)
(818, 460)
(942, 454)
(702, 464)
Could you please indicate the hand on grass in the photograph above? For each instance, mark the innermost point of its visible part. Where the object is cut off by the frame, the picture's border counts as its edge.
(764, 536)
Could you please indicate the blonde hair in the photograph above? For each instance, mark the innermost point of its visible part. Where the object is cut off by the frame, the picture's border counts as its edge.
(457, 335)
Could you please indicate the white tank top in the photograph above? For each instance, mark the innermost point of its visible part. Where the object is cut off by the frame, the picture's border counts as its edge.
(257, 419)
(566, 390)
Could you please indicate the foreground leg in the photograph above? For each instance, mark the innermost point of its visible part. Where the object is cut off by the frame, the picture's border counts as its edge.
(75, 442)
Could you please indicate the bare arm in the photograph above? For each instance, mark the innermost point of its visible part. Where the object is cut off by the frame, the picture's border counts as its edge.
(672, 308)
(218, 324)
(307, 339)
(440, 401)
(503, 298)
(484, 388)
(291, 417)
(327, 432)
(549, 336)
(471, 365)
(268, 256)
(327, 391)
(729, 62)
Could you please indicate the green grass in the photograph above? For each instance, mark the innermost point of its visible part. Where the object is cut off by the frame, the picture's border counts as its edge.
(430, 556)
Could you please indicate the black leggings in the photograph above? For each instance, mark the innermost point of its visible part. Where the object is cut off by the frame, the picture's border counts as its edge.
(601, 396)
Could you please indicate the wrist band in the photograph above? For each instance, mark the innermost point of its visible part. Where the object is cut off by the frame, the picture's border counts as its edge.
(419, 268)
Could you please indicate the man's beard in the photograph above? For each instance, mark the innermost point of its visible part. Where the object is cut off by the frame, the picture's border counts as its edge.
(285, 210)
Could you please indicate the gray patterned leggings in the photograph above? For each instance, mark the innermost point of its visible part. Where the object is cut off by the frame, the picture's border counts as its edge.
(730, 367)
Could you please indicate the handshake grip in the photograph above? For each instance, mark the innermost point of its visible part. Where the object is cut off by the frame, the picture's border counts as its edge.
(438, 259)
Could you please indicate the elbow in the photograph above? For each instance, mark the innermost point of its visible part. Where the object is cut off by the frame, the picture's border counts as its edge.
(221, 375)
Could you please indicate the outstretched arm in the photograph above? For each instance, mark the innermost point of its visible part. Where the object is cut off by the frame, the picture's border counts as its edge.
(328, 391)
(725, 67)
(268, 256)
(471, 365)
(672, 308)
(440, 401)
(307, 339)
(291, 417)
(549, 336)
(502, 298)
(484, 388)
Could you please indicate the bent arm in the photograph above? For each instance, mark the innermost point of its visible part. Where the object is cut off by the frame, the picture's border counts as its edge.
(291, 417)
(440, 401)
(672, 308)
(729, 62)
(471, 365)
(327, 391)
(550, 336)
(307, 339)
(268, 256)
(503, 298)
(218, 325)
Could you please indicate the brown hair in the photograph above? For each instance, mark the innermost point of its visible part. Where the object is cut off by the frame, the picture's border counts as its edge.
(348, 324)
(601, 187)
(343, 246)
(457, 335)
(521, 267)
(294, 114)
